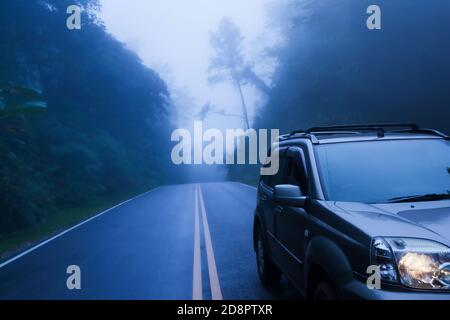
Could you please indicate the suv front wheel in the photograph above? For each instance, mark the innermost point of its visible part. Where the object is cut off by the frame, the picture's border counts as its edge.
(268, 272)
(324, 291)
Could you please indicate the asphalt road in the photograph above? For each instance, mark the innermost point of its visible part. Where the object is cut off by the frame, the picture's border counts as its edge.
(175, 242)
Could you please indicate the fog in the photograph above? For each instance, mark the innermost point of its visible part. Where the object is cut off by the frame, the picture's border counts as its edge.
(173, 38)
(86, 115)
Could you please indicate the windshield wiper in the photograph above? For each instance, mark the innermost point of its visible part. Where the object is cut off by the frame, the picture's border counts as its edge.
(425, 197)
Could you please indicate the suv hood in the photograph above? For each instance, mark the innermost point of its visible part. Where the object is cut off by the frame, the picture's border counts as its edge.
(428, 220)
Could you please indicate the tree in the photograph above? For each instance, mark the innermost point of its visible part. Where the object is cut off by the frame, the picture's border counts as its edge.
(332, 70)
(98, 103)
(229, 63)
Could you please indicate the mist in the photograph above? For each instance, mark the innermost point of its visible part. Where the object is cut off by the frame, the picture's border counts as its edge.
(173, 38)
(86, 115)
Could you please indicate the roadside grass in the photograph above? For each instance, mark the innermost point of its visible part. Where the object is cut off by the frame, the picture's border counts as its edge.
(13, 243)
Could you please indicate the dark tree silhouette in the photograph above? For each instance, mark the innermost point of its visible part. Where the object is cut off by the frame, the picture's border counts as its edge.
(229, 63)
(106, 116)
(333, 70)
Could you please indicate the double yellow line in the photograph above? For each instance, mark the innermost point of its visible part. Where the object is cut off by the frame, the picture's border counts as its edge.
(197, 291)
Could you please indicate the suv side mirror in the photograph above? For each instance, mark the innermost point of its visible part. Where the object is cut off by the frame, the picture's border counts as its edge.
(289, 195)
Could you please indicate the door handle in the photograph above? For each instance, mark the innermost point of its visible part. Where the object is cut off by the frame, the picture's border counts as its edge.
(263, 197)
(278, 210)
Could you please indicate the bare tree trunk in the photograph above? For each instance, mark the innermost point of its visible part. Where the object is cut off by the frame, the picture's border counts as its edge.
(244, 106)
(256, 81)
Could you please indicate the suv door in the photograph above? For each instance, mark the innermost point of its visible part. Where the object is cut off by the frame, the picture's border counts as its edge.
(290, 221)
(269, 209)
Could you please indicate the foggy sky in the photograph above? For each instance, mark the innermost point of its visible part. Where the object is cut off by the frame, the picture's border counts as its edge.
(172, 37)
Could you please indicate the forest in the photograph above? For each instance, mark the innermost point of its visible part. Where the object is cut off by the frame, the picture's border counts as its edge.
(81, 117)
(331, 69)
(85, 123)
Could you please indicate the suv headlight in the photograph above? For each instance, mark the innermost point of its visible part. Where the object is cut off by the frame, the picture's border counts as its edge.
(415, 263)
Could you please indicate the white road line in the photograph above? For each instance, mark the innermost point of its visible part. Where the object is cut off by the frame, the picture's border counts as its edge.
(4, 264)
(212, 268)
(197, 291)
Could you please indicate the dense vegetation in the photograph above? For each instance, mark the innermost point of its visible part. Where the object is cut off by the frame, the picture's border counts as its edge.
(333, 70)
(103, 128)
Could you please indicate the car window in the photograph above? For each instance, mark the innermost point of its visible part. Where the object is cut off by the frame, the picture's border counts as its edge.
(297, 175)
(280, 177)
(266, 179)
(379, 171)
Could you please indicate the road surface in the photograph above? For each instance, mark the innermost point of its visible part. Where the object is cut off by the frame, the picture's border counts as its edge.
(175, 242)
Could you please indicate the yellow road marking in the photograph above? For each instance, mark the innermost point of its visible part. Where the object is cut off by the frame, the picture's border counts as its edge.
(197, 291)
(212, 268)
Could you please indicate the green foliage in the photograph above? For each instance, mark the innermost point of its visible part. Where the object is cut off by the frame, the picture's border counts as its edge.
(16, 100)
(333, 70)
(105, 130)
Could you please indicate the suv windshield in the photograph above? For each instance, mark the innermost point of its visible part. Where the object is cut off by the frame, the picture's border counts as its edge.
(382, 171)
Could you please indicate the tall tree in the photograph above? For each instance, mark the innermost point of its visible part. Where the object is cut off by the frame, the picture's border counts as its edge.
(229, 63)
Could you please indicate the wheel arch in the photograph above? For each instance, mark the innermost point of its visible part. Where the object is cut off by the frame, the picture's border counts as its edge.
(325, 259)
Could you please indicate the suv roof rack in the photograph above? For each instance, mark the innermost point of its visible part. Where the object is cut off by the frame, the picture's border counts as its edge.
(380, 129)
(365, 127)
(296, 133)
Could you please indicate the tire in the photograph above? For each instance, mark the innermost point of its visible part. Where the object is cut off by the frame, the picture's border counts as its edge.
(268, 272)
(324, 291)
